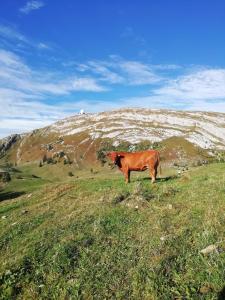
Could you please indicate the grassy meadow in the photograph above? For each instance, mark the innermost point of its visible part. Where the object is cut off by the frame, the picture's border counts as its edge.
(91, 236)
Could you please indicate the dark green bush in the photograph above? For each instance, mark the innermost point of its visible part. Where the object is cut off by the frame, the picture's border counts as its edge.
(5, 177)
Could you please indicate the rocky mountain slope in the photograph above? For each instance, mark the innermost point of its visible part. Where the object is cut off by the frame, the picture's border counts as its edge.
(80, 136)
(206, 130)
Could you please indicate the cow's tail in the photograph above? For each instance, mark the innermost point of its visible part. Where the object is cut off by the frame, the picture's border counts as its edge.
(160, 170)
(159, 165)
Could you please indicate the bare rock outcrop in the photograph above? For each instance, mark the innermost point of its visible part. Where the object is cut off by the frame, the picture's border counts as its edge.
(6, 143)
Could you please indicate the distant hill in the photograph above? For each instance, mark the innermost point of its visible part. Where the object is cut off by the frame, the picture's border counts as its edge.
(179, 135)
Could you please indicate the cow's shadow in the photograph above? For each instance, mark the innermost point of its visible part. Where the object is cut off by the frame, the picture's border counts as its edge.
(161, 179)
(167, 178)
(10, 195)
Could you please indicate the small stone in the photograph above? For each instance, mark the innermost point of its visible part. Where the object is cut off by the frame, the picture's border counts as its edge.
(29, 195)
(4, 217)
(13, 224)
(170, 206)
(136, 207)
(24, 211)
(209, 249)
(163, 238)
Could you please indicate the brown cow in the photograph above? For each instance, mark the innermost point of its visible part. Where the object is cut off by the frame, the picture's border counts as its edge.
(136, 161)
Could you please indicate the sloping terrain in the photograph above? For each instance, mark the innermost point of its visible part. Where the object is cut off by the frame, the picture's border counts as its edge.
(71, 229)
(80, 136)
(93, 237)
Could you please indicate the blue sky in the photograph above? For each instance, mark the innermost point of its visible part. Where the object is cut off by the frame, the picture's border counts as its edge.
(57, 57)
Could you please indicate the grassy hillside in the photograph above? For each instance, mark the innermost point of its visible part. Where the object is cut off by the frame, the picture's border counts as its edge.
(83, 154)
(90, 236)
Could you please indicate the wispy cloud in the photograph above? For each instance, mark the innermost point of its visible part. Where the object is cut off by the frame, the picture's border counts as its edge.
(167, 67)
(202, 89)
(11, 37)
(116, 70)
(43, 46)
(31, 5)
(200, 85)
(14, 73)
(138, 73)
(11, 33)
(102, 68)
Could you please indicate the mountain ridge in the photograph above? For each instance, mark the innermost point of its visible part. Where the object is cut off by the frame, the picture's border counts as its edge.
(83, 133)
(172, 123)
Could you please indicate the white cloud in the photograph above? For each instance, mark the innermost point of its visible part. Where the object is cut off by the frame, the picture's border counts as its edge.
(11, 33)
(31, 5)
(167, 67)
(217, 106)
(203, 84)
(119, 71)
(102, 69)
(87, 84)
(43, 46)
(24, 125)
(138, 73)
(13, 39)
(23, 112)
(15, 74)
(202, 90)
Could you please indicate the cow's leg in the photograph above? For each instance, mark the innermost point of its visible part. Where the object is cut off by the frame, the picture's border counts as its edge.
(127, 176)
(156, 171)
(128, 173)
(153, 173)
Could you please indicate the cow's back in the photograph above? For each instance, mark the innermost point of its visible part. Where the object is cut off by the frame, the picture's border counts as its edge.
(141, 159)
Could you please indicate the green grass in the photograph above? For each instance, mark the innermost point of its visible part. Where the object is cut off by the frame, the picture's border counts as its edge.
(93, 237)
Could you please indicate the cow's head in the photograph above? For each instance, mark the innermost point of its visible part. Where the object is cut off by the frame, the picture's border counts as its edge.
(115, 158)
